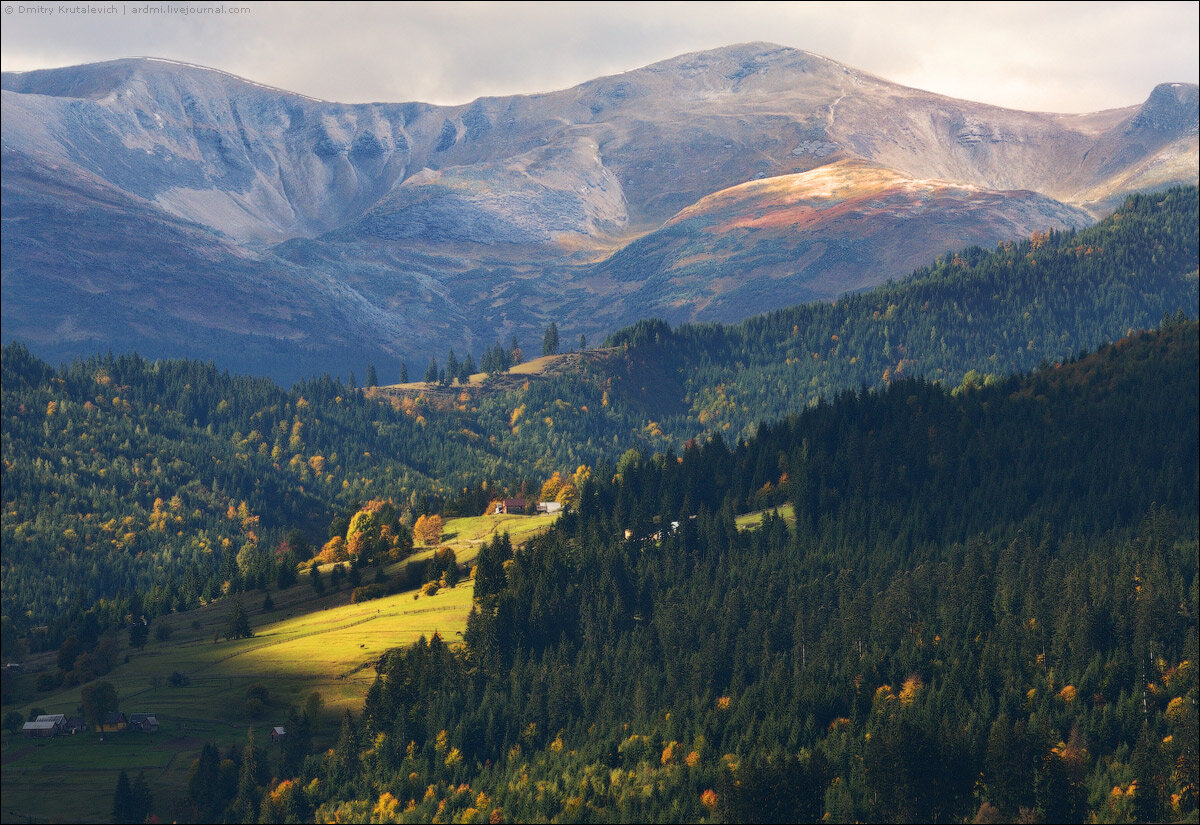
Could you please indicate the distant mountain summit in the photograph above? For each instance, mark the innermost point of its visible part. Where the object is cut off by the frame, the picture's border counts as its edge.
(1171, 108)
(179, 210)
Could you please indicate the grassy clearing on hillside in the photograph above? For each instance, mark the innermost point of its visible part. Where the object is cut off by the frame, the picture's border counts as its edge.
(71, 778)
(535, 366)
(542, 365)
(466, 535)
(476, 380)
(304, 644)
(330, 651)
(751, 521)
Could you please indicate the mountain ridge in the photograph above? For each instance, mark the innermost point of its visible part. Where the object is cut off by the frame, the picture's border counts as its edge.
(420, 226)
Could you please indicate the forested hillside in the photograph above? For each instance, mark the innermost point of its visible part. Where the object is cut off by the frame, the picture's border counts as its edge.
(176, 482)
(987, 602)
(975, 313)
(971, 318)
(170, 482)
(987, 606)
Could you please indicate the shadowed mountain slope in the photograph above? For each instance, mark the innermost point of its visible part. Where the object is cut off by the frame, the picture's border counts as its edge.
(290, 232)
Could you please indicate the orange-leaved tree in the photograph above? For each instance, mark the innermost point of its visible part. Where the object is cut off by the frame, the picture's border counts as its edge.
(428, 529)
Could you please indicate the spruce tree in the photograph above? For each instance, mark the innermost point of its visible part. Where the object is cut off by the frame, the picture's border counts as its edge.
(237, 626)
(122, 810)
(141, 799)
(550, 340)
(203, 777)
(252, 775)
(285, 575)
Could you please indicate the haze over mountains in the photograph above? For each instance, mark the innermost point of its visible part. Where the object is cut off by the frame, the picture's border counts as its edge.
(179, 210)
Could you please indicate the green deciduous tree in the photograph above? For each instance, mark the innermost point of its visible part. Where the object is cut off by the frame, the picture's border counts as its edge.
(99, 699)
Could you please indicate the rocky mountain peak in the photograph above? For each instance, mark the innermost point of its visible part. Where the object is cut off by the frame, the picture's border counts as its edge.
(743, 60)
(1171, 107)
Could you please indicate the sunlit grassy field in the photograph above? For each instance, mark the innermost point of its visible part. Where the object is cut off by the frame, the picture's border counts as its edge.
(466, 535)
(330, 651)
(304, 644)
(536, 366)
(750, 521)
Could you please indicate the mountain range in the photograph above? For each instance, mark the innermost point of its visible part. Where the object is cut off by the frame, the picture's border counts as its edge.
(181, 211)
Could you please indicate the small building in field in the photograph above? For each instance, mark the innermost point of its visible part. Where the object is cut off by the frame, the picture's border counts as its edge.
(114, 721)
(145, 722)
(39, 729)
(510, 506)
(45, 726)
(549, 507)
(278, 734)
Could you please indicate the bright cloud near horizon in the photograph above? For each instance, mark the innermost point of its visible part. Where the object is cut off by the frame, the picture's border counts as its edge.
(1058, 57)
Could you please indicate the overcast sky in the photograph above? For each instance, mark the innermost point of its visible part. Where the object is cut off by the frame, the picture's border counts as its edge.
(1060, 57)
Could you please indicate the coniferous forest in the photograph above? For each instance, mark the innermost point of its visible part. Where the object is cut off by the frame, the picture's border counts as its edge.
(986, 606)
(973, 315)
(973, 594)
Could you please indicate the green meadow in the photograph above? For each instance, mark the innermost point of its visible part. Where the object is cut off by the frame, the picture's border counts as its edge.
(466, 535)
(751, 521)
(304, 644)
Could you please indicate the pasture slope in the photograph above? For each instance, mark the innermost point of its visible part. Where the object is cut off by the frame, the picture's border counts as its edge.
(304, 644)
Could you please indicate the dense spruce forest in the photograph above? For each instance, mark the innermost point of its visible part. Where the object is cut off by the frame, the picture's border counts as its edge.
(986, 608)
(974, 315)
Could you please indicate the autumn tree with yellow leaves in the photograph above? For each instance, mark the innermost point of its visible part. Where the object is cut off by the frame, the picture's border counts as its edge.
(428, 529)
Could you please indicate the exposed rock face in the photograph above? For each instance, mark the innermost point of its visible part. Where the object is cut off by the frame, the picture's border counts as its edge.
(181, 210)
